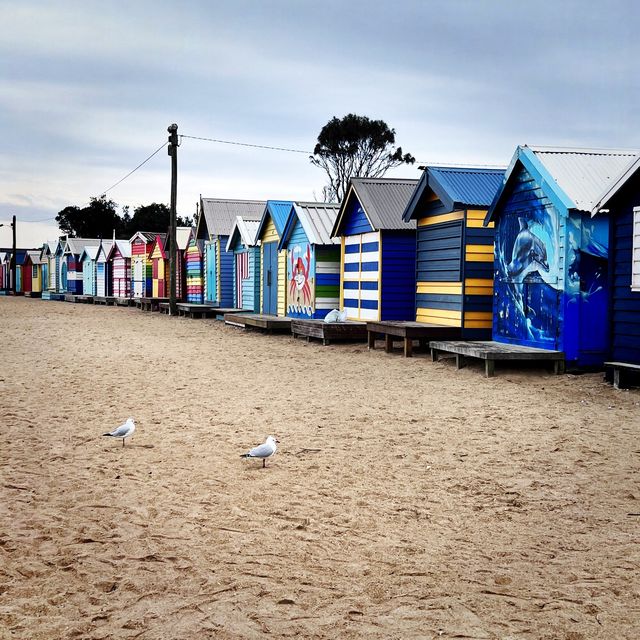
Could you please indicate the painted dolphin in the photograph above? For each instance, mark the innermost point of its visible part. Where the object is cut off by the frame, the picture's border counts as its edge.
(528, 253)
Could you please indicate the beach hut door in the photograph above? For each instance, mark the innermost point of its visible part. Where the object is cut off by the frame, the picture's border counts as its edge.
(138, 278)
(270, 278)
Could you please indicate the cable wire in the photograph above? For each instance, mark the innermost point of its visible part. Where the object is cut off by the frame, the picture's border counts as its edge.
(162, 146)
(246, 144)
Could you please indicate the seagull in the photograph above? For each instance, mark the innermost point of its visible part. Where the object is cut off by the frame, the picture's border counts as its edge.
(123, 431)
(264, 451)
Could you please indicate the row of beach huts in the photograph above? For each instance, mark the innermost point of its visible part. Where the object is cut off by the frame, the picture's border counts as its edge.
(538, 261)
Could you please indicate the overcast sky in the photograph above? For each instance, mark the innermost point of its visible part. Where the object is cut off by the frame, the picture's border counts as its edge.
(87, 90)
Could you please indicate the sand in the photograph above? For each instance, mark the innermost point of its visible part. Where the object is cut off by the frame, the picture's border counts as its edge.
(407, 500)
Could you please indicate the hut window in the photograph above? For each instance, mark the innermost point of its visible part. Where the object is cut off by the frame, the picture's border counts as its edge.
(34, 271)
(635, 254)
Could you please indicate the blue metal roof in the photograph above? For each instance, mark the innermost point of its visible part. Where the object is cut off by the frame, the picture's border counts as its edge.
(279, 211)
(456, 187)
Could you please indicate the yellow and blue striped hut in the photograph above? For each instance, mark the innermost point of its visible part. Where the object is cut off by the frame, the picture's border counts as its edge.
(378, 250)
(454, 252)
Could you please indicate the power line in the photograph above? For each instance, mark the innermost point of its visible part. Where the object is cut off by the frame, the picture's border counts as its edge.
(162, 146)
(246, 144)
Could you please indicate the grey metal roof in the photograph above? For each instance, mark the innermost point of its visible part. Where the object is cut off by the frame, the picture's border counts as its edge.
(104, 250)
(91, 251)
(148, 236)
(588, 176)
(247, 229)
(383, 200)
(124, 246)
(34, 256)
(77, 245)
(317, 220)
(219, 215)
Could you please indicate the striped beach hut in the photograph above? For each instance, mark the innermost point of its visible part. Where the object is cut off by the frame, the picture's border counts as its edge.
(313, 260)
(556, 284)
(44, 266)
(454, 251)
(103, 269)
(88, 260)
(70, 265)
(217, 217)
(193, 269)
(5, 268)
(119, 259)
(141, 245)
(378, 250)
(54, 254)
(159, 259)
(183, 235)
(246, 264)
(273, 264)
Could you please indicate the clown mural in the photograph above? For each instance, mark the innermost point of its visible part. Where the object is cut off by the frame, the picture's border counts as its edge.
(300, 300)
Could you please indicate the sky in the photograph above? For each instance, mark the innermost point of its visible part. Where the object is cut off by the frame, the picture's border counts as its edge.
(88, 89)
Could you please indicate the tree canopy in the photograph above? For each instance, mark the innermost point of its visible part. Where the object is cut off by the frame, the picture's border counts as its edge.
(355, 146)
(100, 218)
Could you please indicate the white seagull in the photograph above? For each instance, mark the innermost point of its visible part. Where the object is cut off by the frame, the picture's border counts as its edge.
(123, 431)
(264, 451)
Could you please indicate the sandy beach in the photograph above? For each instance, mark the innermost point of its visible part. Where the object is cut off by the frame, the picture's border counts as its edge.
(407, 499)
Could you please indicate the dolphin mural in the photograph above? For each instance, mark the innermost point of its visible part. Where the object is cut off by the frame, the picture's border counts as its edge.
(528, 254)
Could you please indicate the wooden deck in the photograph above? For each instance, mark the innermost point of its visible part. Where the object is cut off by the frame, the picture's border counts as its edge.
(219, 313)
(195, 310)
(70, 297)
(490, 351)
(262, 321)
(124, 302)
(51, 295)
(622, 374)
(84, 299)
(408, 332)
(33, 294)
(108, 300)
(328, 331)
(149, 304)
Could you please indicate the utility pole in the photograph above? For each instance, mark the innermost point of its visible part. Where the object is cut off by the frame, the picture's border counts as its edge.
(173, 152)
(14, 261)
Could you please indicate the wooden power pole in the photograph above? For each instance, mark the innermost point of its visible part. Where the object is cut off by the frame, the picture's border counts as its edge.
(173, 152)
(14, 258)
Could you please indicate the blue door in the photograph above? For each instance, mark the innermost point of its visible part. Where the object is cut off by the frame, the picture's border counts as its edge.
(63, 276)
(210, 282)
(270, 279)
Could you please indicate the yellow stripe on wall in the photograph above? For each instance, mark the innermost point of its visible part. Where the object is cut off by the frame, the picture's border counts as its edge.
(447, 217)
(439, 316)
(475, 219)
(478, 287)
(440, 287)
(478, 320)
(479, 253)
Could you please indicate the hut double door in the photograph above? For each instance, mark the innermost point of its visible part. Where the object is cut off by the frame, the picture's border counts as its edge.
(270, 278)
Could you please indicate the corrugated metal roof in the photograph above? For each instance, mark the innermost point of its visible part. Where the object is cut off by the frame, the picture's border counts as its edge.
(455, 187)
(317, 220)
(34, 256)
(586, 175)
(104, 250)
(246, 229)
(384, 201)
(77, 245)
(219, 214)
(124, 246)
(469, 186)
(91, 251)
